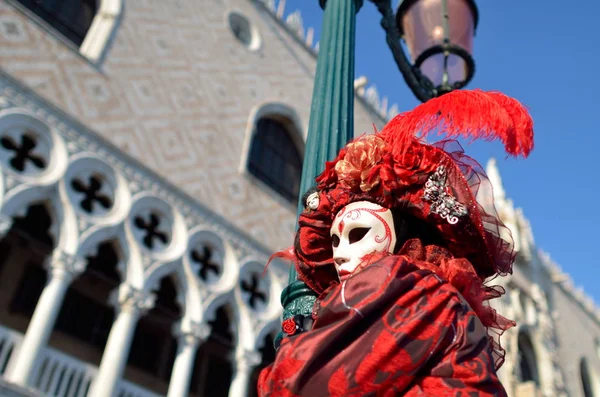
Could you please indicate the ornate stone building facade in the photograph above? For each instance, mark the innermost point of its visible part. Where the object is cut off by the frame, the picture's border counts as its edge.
(137, 209)
(554, 349)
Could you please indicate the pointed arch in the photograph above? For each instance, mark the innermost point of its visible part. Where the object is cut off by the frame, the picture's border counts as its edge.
(64, 224)
(37, 222)
(226, 300)
(274, 148)
(174, 270)
(189, 296)
(528, 365)
(19, 201)
(92, 239)
(590, 383)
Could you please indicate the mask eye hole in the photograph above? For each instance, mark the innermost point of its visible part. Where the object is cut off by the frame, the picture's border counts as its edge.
(357, 234)
(335, 240)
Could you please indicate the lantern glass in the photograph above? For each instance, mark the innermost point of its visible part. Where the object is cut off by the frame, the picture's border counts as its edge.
(425, 29)
(444, 72)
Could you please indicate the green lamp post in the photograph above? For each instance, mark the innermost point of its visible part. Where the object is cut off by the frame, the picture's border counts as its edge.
(438, 35)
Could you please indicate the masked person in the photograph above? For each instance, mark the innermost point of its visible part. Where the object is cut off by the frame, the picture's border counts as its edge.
(399, 250)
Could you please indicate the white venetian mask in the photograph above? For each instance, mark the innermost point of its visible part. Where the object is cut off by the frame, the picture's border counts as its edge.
(360, 229)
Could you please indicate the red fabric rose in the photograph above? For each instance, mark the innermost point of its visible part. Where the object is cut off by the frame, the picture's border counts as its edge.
(289, 326)
(358, 166)
(407, 168)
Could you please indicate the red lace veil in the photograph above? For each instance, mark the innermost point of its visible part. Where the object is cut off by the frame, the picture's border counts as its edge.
(435, 183)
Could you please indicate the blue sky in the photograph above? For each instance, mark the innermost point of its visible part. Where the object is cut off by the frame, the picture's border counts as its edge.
(542, 53)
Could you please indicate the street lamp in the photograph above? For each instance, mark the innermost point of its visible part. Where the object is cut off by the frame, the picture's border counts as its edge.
(438, 35)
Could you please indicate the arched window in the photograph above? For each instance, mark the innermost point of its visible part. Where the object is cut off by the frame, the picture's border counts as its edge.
(586, 379)
(72, 18)
(527, 360)
(274, 157)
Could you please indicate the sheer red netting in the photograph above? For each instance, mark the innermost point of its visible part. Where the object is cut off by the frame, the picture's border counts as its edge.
(498, 251)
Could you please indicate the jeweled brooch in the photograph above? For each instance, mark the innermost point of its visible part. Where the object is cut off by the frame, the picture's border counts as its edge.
(442, 202)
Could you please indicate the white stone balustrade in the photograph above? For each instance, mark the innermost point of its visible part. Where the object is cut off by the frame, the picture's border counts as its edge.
(58, 374)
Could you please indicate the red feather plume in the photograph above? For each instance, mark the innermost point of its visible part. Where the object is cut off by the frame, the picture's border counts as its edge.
(473, 114)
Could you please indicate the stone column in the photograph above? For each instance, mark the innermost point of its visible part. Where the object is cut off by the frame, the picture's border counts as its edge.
(190, 335)
(243, 367)
(61, 268)
(132, 304)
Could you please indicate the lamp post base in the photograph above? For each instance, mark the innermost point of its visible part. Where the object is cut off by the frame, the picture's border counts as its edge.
(298, 301)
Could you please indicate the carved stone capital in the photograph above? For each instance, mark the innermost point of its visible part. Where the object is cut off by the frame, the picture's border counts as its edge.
(132, 300)
(64, 265)
(191, 332)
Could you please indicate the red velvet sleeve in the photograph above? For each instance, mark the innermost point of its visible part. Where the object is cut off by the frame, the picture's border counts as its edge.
(390, 330)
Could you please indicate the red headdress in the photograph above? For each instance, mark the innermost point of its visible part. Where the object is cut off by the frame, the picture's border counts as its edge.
(433, 183)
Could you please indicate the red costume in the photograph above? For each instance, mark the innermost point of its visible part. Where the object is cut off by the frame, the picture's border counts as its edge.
(415, 322)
